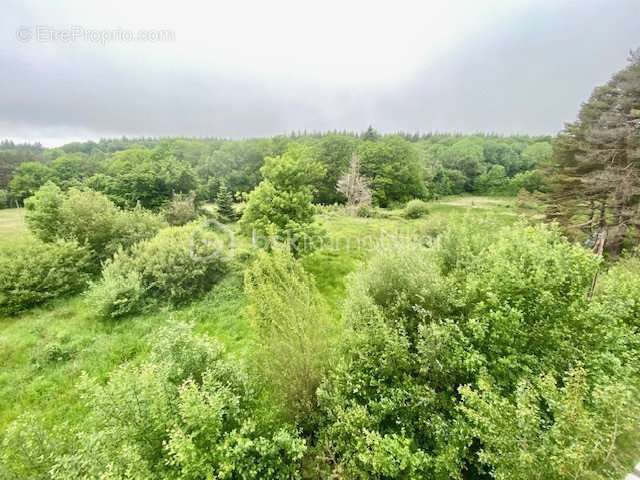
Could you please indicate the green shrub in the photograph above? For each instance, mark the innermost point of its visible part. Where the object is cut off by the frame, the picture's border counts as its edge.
(499, 364)
(618, 292)
(293, 330)
(459, 247)
(133, 226)
(394, 283)
(58, 350)
(29, 450)
(185, 413)
(181, 209)
(118, 293)
(43, 212)
(416, 209)
(34, 272)
(88, 217)
(175, 266)
(365, 211)
(552, 429)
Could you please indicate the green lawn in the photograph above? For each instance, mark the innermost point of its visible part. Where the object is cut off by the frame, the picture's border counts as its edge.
(44, 352)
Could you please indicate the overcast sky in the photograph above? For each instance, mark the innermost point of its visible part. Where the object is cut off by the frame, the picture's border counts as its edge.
(254, 68)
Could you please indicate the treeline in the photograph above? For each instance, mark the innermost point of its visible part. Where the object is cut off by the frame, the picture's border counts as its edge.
(399, 167)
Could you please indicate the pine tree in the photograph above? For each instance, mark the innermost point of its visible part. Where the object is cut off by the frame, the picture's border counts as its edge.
(371, 134)
(596, 170)
(225, 203)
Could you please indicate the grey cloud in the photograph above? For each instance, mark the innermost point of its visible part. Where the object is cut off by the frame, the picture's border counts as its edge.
(526, 76)
(530, 76)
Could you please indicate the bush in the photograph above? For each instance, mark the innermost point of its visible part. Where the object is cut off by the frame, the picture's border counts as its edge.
(58, 350)
(274, 216)
(416, 209)
(88, 217)
(293, 331)
(29, 450)
(393, 283)
(175, 266)
(497, 364)
(181, 209)
(35, 272)
(118, 294)
(365, 211)
(133, 226)
(185, 413)
(618, 293)
(43, 212)
(552, 429)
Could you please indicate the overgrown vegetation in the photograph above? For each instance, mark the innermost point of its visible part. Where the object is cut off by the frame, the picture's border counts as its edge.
(35, 272)
(415, 209)
(193, 416)
(400, 335)
(443, 366)
(293, 331)
(89, 218)
(173, 267)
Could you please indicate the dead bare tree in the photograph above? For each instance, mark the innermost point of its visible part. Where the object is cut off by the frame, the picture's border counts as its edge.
(355, 187)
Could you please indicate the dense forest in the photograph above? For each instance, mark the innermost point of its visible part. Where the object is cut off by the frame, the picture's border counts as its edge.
(179, 308)
(401, 167)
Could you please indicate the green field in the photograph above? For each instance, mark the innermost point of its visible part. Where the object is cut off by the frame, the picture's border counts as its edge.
(12, 227)
(44, 351)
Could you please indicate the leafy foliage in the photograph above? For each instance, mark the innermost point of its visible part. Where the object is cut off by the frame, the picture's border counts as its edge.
(181, 209)
(176, 265)
(415, 209)
(293, 329)
(550, 429)
(143, 177)
(28, 178)
(5, 199)
(451, 354)
(12, 155)
(34, 272)
(335, 152)
(149, 172)
(485, 164)
(88, 217)
(193, 417)
(393, 167)
(280, 209)
(43, 212)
